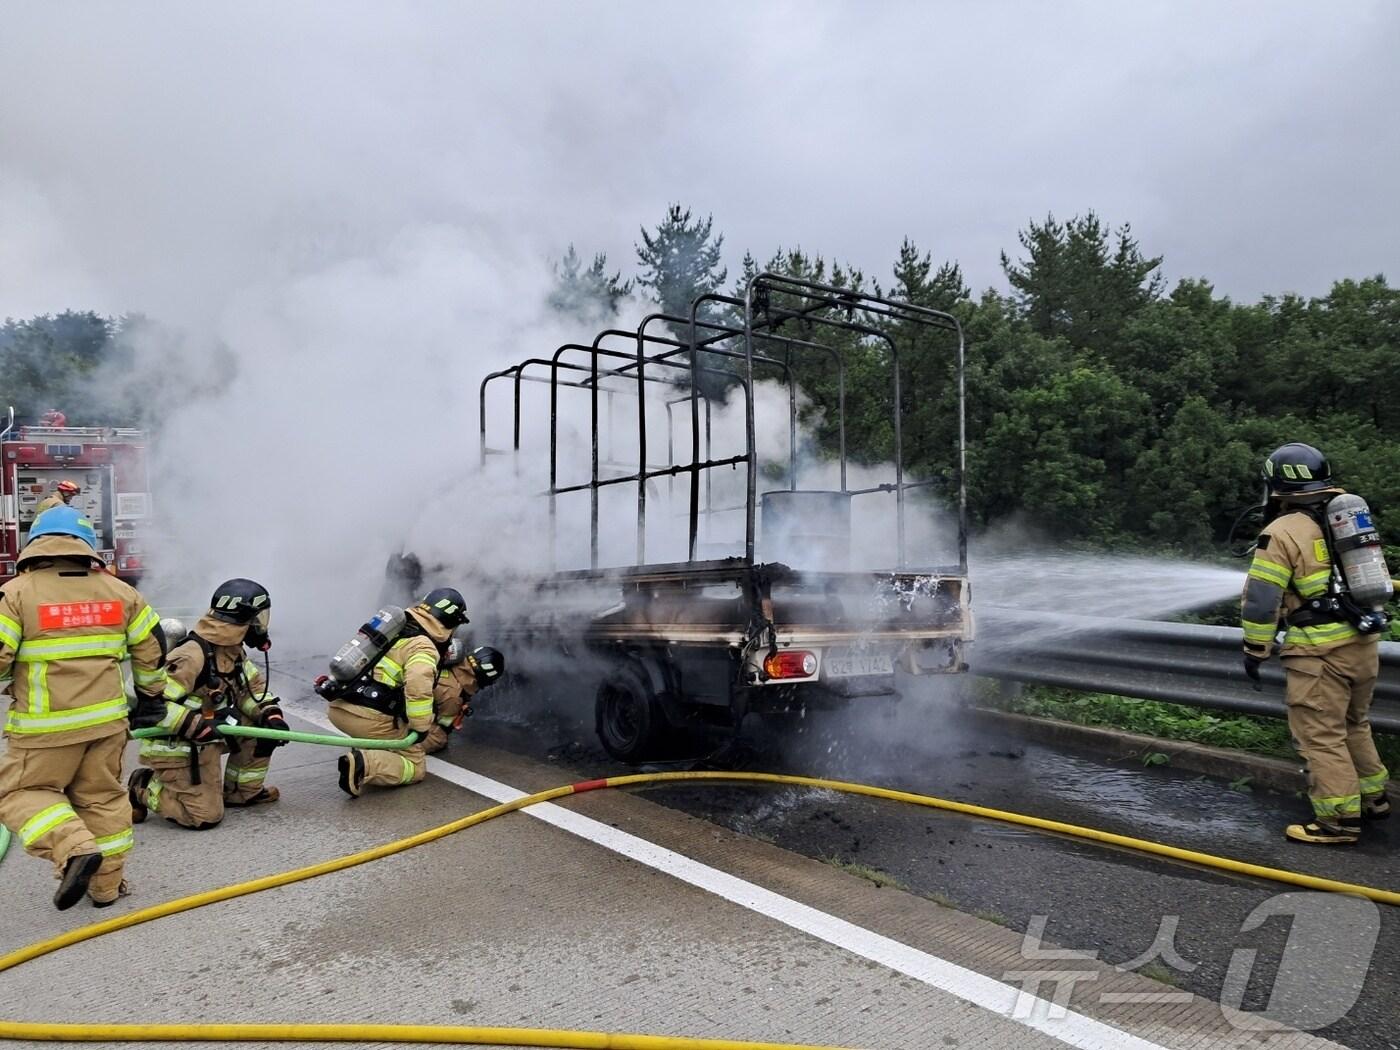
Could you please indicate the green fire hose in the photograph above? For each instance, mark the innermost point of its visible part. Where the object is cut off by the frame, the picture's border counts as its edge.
(290, 736)
(294, 737)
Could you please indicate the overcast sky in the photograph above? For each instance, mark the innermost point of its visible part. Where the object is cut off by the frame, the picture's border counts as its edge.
(163, 156)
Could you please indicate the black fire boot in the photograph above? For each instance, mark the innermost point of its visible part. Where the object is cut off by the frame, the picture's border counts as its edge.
(136, 786)
(77, 873)
(1375, 807)
(352, 772)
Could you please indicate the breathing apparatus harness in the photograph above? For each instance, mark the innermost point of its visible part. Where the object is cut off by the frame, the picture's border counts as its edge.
(364, 690)
(228, 683)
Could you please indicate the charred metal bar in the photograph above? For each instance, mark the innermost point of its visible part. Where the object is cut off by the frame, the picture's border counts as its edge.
(646, 475)
(751, 486)
(792, 425)
(962, 454)
(937, 483)
(593, 490)
(641, 451)
(693, 535)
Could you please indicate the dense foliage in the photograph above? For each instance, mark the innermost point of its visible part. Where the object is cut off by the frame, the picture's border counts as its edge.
(1101, 405)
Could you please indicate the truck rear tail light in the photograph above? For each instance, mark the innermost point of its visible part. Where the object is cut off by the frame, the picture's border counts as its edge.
(128, 563)
(791, 663)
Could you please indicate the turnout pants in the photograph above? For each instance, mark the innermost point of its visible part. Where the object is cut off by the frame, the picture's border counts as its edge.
(1329, 705)
(245, 772)
(382, 768)
(175, 796)
(65, 801)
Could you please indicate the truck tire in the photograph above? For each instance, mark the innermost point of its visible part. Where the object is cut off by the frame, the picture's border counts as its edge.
(628, 716)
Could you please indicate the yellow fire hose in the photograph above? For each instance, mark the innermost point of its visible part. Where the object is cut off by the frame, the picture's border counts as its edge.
(124, 1033)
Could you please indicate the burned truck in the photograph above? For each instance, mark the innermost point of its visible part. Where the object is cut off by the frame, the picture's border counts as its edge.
(707, 556)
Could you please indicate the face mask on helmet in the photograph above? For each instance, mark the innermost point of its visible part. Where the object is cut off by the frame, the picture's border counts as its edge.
(257, 636)
(458, 646)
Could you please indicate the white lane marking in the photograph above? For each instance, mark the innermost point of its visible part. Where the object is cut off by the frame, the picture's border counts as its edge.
(1007, 1001)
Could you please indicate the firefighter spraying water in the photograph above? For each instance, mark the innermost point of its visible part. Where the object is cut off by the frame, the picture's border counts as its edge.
(1319, 575)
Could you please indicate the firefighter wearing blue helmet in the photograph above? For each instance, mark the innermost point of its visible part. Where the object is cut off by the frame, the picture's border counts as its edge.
(66, 625)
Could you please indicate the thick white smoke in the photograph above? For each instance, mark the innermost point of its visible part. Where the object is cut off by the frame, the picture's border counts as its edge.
(349, 212)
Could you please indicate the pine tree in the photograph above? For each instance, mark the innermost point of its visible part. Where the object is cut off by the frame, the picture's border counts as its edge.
(680, 260)
(1075, 284)
(589, 295)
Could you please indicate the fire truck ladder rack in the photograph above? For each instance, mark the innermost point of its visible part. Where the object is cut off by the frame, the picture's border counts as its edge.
(770, 302)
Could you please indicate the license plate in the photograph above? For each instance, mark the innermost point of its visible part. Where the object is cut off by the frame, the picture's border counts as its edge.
(847, 661)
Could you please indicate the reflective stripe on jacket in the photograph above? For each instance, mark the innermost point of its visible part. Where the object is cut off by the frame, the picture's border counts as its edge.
(1291, 564)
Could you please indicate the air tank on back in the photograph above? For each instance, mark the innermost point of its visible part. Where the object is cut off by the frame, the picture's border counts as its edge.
(371, 641)
(174, 630)
(1358, 548)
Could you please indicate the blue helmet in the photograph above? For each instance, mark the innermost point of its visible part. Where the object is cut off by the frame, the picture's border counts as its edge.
(64, 521)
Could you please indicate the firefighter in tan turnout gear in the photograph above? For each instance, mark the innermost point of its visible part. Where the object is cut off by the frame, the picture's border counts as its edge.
(1317, 574)
(210, 673)
(61, 496)
(394, 692)
(66, 625)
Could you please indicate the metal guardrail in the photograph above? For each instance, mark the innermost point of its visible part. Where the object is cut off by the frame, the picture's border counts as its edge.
(1181, 663)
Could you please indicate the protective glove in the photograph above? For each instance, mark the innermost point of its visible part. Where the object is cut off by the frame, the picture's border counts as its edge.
(197, 729)
(224, 716)
(1251, 669)
(271, 718)
(148, 711)
(327, 687)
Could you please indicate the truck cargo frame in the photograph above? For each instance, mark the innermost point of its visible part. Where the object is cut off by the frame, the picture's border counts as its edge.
(691, 646)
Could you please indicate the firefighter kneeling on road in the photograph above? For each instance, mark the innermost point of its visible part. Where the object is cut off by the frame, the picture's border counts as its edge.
(68, 625)
(465, 672)
(210, 673)
(1318, 562)
(393, 687)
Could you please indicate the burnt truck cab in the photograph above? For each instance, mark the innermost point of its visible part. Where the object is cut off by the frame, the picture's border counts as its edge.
(791, 620)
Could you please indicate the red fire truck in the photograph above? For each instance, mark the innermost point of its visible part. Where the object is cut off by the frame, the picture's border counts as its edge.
(107, 463)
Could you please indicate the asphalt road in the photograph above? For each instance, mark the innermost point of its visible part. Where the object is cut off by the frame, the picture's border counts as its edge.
(1080, 895)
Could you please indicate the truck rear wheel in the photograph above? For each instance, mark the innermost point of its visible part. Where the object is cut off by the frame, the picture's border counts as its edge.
(628, 716)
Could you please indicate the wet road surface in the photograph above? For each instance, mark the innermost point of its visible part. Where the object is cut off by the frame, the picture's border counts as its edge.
(1174, 921)
(1080, 895)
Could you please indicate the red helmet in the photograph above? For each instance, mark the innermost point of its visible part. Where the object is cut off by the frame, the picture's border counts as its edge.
(69, 486)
